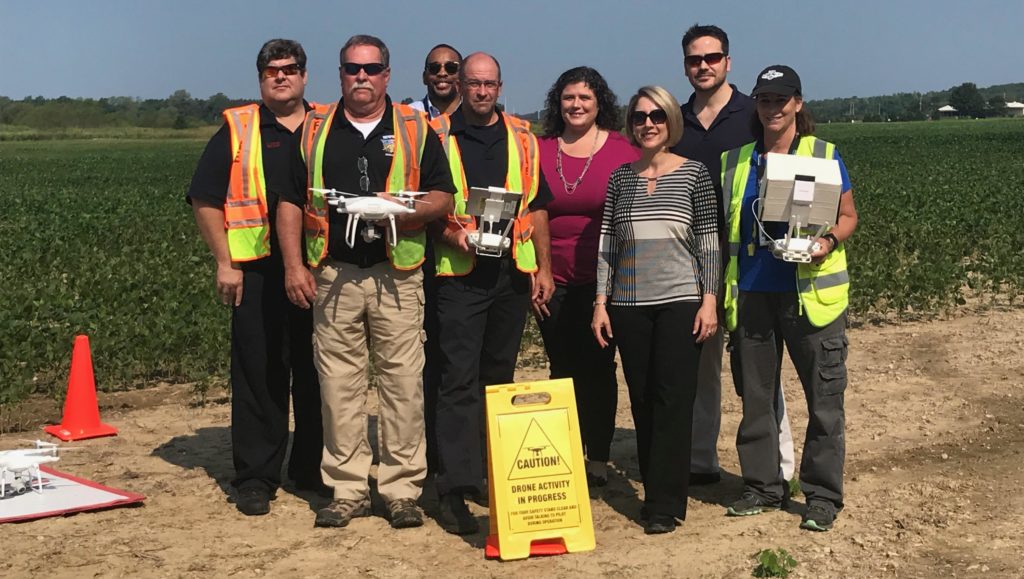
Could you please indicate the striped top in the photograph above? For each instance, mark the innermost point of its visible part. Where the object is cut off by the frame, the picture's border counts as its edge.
(661, 247)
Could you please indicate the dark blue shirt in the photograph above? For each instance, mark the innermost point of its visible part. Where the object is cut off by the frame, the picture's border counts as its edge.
(731, 128)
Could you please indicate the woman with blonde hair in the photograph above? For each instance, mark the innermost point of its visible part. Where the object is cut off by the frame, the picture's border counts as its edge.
(658, 267)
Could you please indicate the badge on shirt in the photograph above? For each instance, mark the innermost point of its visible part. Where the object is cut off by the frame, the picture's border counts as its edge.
(388, 144)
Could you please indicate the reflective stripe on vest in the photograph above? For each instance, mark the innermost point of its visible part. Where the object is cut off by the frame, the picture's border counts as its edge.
(823, 288)
(523, 175)
(410, 128)
(246, 219)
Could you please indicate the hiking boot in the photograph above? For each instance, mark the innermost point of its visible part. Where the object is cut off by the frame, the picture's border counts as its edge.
(341, 512)
(253, 501)
(404, 514)
(751, 504)
(658, 524)
(455, 516)
(820, 516)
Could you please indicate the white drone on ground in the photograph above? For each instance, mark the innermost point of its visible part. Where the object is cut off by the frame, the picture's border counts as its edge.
(23, 464)
(371, 209)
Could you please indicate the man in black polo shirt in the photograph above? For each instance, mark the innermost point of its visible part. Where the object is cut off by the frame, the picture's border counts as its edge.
(371, 290)
(718, 117)
(482, 302)
(270, 337)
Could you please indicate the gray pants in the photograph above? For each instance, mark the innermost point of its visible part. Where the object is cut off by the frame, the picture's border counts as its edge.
(707, 409)
(819, 355)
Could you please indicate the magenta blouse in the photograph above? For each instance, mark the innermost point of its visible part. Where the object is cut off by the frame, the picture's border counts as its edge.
(575, 220)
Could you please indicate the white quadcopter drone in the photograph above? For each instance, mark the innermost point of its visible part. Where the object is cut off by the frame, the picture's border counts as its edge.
(371, 209)
(23, 464)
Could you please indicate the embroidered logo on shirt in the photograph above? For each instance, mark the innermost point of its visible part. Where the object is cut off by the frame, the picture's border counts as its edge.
(388, 144)
(771, 75)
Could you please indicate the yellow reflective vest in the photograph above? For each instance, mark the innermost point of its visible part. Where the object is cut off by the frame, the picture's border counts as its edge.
(246, 219)
(410, 128)
(823, 288)
(523, 175)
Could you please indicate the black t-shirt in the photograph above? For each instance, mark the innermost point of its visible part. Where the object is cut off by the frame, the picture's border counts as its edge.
(485, 156)
(731, 128)
(344, 146)
(211, 179)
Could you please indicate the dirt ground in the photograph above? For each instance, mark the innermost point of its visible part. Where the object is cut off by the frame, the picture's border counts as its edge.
(935, 432)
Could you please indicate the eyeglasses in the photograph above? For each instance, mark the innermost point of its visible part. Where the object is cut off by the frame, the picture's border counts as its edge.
(712, 58)
(288, 69)
(657, 116)
(364, 180)
(476, 84)
(371, 68)
(451, 67)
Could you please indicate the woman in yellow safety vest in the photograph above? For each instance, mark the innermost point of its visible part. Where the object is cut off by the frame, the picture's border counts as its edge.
(769, 302)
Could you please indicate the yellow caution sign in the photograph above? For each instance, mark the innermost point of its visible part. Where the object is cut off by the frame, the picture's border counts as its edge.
(540, 503)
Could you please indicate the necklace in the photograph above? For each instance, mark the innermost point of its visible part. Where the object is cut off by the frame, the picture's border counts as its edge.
(570, 189)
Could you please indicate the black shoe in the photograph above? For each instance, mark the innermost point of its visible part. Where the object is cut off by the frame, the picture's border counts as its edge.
(751, 504)
(658, 524)
(404, 514)
(483, 499)
(341, 512)
(820, 516)
(455, 516)
(698, 479)
(253, 501)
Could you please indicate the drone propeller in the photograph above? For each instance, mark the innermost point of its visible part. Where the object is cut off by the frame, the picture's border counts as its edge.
(332, 192)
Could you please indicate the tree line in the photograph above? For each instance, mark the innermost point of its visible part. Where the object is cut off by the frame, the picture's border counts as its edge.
(181, 111)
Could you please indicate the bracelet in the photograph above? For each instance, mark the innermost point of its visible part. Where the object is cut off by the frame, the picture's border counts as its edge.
(597, 303)
(833, 240)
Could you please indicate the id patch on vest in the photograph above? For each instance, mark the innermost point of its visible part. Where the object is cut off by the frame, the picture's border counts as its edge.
(387, 142)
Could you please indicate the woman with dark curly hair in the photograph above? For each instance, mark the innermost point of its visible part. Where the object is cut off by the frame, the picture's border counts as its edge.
(580, 149)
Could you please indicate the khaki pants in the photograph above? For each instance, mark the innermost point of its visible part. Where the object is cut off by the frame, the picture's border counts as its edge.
(384, 306)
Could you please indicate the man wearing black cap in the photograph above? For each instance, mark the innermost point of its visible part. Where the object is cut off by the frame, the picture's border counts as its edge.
(716, 118)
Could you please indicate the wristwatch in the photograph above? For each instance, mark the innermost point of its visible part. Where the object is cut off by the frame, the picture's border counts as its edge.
(832, 238)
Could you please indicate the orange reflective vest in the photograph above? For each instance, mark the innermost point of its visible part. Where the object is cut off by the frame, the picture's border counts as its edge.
(246, 217)
(410, 137)
(523, 175)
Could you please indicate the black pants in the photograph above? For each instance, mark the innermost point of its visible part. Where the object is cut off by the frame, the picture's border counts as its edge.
(659, 358)
(431, 358)
(819, 356)
(574, 353)
(272, 355)
(481, 320)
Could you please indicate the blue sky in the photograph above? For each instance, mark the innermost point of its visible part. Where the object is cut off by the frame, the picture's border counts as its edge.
(150, 49)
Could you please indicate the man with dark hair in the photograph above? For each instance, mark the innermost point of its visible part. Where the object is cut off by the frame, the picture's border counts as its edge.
(440, 76)
(271, 350)
(716, 118)
(483, 301)
(367, 287)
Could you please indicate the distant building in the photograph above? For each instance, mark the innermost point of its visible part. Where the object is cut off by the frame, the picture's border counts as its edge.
(947, 112)
(1015, 109)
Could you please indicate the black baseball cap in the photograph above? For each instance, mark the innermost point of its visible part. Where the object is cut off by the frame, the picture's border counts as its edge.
(778, 79)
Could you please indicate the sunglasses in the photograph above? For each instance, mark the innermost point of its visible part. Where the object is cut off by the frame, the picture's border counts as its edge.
(712, 58)
(364, 180)
(657, 116)
(451, 67)
(371, 68)
(288, 70)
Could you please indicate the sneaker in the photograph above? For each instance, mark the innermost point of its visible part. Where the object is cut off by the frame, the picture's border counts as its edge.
(698, 479)
(341, 512)
(404, 514)
(455, 516)
(253, 501)
(820, 516)
(751, 504)
(659, 524)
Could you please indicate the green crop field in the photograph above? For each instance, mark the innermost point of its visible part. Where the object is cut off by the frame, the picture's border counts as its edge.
(97, 239)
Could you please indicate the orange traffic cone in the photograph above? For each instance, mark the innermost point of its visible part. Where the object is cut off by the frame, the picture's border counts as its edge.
(81, 411)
